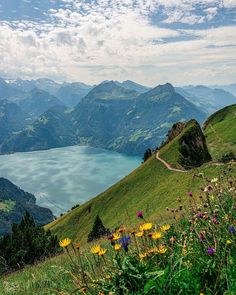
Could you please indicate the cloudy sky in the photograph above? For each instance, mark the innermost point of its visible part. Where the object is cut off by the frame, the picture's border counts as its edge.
(149, 41)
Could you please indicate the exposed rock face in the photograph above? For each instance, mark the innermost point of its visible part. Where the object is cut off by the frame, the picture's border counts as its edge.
(13, 204)
(193, 151)
(176, 129)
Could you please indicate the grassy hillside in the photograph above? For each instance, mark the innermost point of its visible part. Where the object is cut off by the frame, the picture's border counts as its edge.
(220, 131)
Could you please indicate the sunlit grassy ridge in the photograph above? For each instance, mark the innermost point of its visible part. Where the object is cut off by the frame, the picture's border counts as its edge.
(220, 131)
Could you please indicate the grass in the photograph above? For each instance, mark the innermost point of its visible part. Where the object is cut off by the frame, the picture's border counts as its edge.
(220, 132)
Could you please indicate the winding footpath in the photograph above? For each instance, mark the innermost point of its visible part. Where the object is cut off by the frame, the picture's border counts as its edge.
(168, 165)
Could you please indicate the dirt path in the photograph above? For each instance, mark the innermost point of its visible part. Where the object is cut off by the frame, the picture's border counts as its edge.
(168, 166)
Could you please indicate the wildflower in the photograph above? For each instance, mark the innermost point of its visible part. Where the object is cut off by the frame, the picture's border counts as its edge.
(211, 251)
(145, 226)
(199, 215)
(228, 242)
(117, 247)
(143, 255)
(83, 290)
(65, 243)
(214, 180)
(124, 242)
(139, 234)
(116, 236)
(102, 252)
(153, 250)
(121, 230)
(165, 227)
(77, 246)
(156, 235)
(96, 249)
(231, 230)
(208, 188)
(140, 214)
(190, 194)
(162, 250)
(172, 240)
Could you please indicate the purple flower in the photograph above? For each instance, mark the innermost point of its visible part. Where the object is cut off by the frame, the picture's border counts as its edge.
(231, 230)
(124, 241)
(140, 214)
(199, 215)
(211, 251)
(190, 194)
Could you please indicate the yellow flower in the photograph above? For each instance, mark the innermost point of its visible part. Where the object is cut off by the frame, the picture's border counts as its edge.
(77, 246)
(165, 227)
(228, 242)
(201, 294)
(102, 252)
(65, 243)
(153, 250)
(116, 236)
(142, 255)
(139, 234)
(117, 247)
(162, 250)
(156, 235)
(121, 230)
(83, 290)
(145, 226)
(96, 249)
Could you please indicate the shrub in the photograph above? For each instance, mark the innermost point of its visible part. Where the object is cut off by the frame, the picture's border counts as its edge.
(228, 157)
(147, 155)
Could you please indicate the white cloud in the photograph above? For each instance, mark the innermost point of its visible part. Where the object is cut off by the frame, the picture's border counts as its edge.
(113, 39)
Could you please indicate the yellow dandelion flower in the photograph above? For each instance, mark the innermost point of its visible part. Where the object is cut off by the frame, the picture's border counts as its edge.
(165, 227)
(102, 252)
(117, 247)
(116, 236)
(228, 242)
(65, 243)
(156, 235)
(77, 246)
(139, 234)
(145, 226)
(162, 250)
(96, 249)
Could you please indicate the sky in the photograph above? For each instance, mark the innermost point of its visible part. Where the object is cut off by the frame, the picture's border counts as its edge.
(149, 41)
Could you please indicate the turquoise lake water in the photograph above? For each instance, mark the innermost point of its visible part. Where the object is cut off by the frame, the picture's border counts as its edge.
(63, 177)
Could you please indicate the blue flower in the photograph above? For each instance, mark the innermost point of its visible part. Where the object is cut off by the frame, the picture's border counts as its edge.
(231, 230)
(124, 241)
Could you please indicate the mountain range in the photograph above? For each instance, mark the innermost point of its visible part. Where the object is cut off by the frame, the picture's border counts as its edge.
(121, 116)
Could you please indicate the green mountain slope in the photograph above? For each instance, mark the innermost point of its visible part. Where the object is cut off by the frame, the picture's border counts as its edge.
(220, 131)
